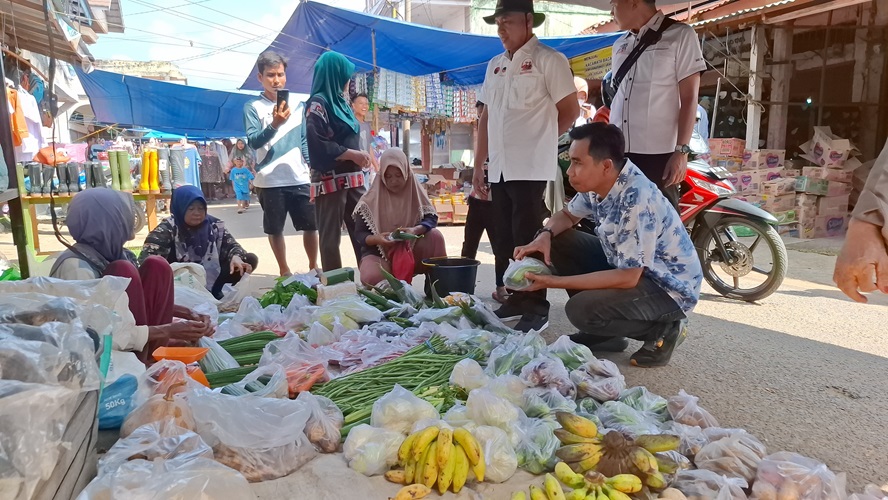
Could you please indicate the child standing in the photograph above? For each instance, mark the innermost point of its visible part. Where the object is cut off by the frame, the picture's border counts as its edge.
(241, 179)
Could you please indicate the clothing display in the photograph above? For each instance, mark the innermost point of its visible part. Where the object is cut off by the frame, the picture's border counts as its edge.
(185, 163)
(34, 141)
(16, 117)
(210, 168)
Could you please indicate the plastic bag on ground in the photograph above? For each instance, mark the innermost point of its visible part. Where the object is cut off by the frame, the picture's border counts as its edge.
(708, 484)
(645, 401)
(871, 492)
(162, 439)
(273, 383)
(597, 387)
(169, 405)
(324, 424)
(499, 455)
(734, 456)
(627, 420)
(159, 378)
(54, 353)
(509, 387)
(217, 358)
(549, 373)
(469, 375)
(793, 476)
(457, 415)
(352, 307)
(166, 479)
(685, 409)
(399, 410)
(319, 334)
(515, 274)
(540, 402)
(371, 450)
(304, 365)
(509, 358)
(233, 295)
(485, 408)
(692, 437)
(536, 445)
(570, 353)
(444, 315)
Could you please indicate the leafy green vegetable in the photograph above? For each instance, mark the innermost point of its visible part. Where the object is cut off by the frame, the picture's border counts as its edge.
(282, 295)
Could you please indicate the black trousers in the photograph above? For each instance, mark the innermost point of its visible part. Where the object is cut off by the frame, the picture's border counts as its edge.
(225, 276)
(481, 218)
(332, 210)
(519, 210)
(653, 167)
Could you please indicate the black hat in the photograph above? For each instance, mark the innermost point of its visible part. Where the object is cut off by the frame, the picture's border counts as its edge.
(526, 6)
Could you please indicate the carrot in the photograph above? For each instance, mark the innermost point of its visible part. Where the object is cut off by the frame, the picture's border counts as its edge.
(303, 377)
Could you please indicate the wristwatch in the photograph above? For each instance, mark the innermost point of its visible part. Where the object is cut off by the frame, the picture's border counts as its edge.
(544, 230)
(683, 149)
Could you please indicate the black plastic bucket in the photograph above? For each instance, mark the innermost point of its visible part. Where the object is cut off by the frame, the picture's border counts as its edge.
(451, 274)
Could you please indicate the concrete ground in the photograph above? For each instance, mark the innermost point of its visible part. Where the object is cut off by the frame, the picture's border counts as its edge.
(804, 370)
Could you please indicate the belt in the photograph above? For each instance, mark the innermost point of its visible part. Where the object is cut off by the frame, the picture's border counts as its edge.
(332, 183)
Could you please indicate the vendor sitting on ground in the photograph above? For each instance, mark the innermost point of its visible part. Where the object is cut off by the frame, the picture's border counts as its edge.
(101, 221)
(640, 275)
(396, 200)
(191, 235)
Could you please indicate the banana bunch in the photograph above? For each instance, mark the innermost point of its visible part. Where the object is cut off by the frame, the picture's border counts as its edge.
(551, 490)
(439, 455)
(593, 486)
(612, 454)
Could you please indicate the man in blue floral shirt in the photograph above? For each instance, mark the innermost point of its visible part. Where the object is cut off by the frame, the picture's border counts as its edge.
(640, 275)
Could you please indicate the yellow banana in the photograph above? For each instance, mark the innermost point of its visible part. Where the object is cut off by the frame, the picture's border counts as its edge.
(519, 495)
(553, 488)
(469, 445)
(410, 471)
(577, 452)
(576, 424)
(430, 467)
(569, 477)
(655, 481)
(460, 469)
(422, 442)
(594, 478)
(480, 469)
(412, 492)
(613, 494)
(601, 495)
(396, 476)
(665, 464)
(445, 472)
(589, 463)
(643, 460)
(405, 448)
(445, 438)
(420, 467)
(655, 443)
(536, 493)
(567, 437)
(577, 494)
(627, 483)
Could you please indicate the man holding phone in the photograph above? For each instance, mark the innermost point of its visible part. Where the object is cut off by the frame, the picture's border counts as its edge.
(275, 132)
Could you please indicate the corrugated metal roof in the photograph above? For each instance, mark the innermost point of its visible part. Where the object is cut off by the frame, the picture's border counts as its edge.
(26, 29)
(741, 12)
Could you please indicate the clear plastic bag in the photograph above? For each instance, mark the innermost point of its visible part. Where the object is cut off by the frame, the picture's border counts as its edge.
(485, 408)
(274, 387)
(295, 355)
(457, 415)
(217, 358)
(499, 456)
(570, 353)
(709, 485)
(692, 438)
(626, 420)
(597, 387)
(509, 358)
(168, 405)
(469, 375)
(793, 476)
(352, 307)
(871, 492)
(324, 424)
(508, 387)
(399, 410)
(514, 276)
(233, 295)
(540, 402)
(445, 315)
(549, 373)
(162, 439)
(370, 450)
(734, 456)
(685, 409)
(166, 479)
(319, 335)
(536, 445)
(588, 408)
(159, 378)
(53, 353)
(645, 401)
(603, 368)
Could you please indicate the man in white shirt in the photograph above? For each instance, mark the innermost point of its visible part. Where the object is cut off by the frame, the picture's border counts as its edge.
(656, 102)
(530, 100)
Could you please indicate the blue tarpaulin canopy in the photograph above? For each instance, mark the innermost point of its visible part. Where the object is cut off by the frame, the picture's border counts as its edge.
(401, 47)
(162, 106)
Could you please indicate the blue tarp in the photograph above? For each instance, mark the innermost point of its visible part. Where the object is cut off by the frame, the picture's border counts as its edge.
(402, 47)
(163, 106)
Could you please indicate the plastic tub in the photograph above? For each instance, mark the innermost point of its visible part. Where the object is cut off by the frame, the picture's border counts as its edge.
(186, 355)
(451, 274)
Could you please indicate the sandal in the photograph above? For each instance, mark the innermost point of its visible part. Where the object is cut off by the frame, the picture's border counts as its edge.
(500, 296)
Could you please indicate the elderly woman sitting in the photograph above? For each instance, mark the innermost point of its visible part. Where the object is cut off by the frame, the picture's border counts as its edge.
(191, 235)
(101, 221)
(396, 200)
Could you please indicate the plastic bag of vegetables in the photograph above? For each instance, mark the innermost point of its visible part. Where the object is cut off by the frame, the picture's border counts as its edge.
(685, 409)
(399, 410)
(588, 408)
(445, 315)
(570, 353)
(709, 485)
(692, 437)
(499, 456)
(597, 387)
(549, 373)
(645, 401)
(626, 420)
(508, 387)
(486, 408)
(324, 423)
(457, 415)
(790, 476)
(536, 445)
(371, 450)
(469, 375)
(540, 402)
(319, 334)
(351, 311)
(268, 381)
(513, 354)
(158, 440)
(515, 275)
(734, 456)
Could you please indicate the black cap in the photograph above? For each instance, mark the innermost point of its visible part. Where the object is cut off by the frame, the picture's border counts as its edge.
(525, 6)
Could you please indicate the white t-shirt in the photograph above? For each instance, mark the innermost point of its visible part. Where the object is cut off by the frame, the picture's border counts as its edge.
(647, 103)
(522, 129)
(279, 163)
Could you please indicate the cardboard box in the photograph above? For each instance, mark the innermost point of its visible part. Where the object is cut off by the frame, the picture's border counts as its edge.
(827, 149)
(445, 211)
(763, 158)
(729, 164)
(791, 230)
(752, 199)
(460, 212)
(806, 200)
(777, 187)
(727, 147)
(808, 185)
(806, 213)
(787, 217)
(826, 227)
(837, 189)
(775, 204)
(791, 172)
(833, 205)
(830, 174)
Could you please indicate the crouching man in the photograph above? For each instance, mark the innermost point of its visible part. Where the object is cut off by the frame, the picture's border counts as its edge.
(639, 275)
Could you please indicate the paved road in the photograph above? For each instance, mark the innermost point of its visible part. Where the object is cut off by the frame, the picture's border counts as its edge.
(804, 370)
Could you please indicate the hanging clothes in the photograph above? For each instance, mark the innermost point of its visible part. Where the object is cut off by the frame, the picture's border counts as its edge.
(16, 116)
(210, 168)
(34, 142)
(190, 165)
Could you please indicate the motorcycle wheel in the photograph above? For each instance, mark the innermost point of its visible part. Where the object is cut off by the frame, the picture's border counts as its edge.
(761, 267)
(141, 219)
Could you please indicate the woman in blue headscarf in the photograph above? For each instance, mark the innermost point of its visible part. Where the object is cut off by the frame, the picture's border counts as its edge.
(335, 155)
(101, 221)
(191, 235)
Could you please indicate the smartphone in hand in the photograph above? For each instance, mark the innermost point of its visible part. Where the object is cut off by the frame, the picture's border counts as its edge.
(283, 95)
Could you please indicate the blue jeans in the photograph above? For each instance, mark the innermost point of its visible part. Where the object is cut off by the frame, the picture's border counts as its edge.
(642, 313)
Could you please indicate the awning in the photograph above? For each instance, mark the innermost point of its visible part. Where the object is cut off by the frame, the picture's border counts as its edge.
(162, 106)
(26, 29)
(401, 47)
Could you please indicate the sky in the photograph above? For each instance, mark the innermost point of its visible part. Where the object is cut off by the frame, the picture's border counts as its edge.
(213, 42)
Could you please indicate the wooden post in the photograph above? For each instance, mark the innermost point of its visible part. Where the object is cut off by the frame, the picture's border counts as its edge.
(375, 119)
(781, 72)
(426, 139)
(756, 67)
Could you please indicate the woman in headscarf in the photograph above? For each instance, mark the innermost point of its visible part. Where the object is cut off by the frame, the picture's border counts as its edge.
(335, 155)
(396, 200)
(241, 150)
(191, 235)
(101, 221)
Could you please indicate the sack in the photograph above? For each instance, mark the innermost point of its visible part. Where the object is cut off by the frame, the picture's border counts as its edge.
(370, 450)
(117, 402)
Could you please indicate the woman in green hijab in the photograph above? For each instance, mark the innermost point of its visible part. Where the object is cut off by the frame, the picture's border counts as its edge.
(334, 154)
